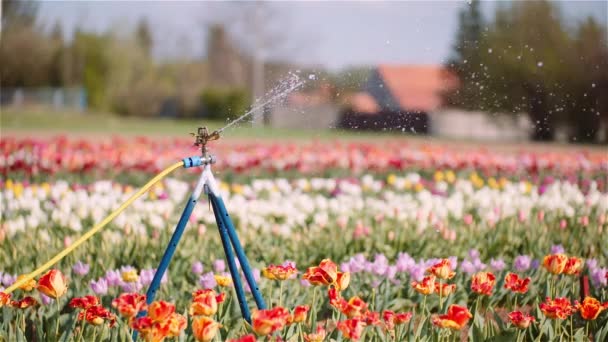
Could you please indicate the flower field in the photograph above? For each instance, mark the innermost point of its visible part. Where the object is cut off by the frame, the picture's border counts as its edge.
(348, 240)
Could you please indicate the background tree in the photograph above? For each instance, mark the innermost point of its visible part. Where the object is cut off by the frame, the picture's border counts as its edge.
(466, 61)
(144, 37)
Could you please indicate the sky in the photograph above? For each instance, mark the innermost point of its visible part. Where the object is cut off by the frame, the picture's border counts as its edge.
(332, 34)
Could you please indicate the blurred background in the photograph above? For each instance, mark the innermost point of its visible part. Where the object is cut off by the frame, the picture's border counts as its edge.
(470, 70)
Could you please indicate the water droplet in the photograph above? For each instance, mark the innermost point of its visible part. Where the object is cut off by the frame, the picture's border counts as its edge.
(489, 50)
(539, 64)
(592, 85)
(312, 77)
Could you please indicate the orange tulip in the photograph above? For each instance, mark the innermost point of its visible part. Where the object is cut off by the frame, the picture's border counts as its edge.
(267, 321)
(28, 285)
(574, 266)
(96, 315)
(24, 303)
(444, 290)
(160, 311)
(317, 336)
(426, 286)
(442, 270)
(483, 283)
(558, 308)
(204, 302)
(351, 328)
(342, 280)
(149, 330)
(53, 284)
(279, 272)
(129, 304)
(555, 263)
(591, 308)
(355, 307)
(335, 298)
(177, 323)
(520, 320)
(324, 274)
(516, 284)
(205, 328)
(84, 302)
(391, 318)
(299, 313)
(456, 318)
(5, 298)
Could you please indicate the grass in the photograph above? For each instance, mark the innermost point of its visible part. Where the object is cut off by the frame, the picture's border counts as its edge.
(42, 122)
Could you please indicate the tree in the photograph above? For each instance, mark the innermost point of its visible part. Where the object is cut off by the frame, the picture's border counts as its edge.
(18, 13)
(466, 61)
(144, 37)
(589, 67)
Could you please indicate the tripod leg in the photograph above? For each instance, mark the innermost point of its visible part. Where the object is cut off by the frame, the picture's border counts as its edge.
(164, 263)
(259, 300)
(234, 272)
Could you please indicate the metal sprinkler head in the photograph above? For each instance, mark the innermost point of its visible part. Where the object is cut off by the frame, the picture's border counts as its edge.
(202, 137)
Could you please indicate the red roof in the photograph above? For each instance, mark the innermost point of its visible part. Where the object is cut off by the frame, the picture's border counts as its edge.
(417, 87)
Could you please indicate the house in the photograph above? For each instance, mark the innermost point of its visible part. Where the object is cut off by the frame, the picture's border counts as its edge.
(398, 97)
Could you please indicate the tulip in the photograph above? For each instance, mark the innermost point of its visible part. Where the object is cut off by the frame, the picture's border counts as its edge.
(591, 308)
(223, 281)
(355, 307)
(5, 299)
(520, 320)
(483, 283)
(24, 303)
(426, 286)
(159, 311)
(267, 321)
(574, 266)
(555, 263)
(444, 290)
(299, 313)
(204, 302)
(53, 284)
(28, 285)
(342, 281)
(558, 308)
(129, 304)
(96, 315)
(84, 302)
(177, 324)
(456, 318)
(318, 336)
(516, 284)
(442, 270)
(279, 272)
(246, 338)
(351, 328)
(324, 274)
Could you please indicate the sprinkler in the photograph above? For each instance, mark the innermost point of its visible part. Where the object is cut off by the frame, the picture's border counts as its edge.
(229, 237)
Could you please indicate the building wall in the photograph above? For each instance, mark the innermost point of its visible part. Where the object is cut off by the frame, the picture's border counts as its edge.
(454, 123)
(322, 116)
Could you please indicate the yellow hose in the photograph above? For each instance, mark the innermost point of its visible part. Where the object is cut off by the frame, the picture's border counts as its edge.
(94, 230)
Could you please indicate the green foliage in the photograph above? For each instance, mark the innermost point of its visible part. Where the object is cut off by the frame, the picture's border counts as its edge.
(92, 51)
(527, 60)
(225, 104)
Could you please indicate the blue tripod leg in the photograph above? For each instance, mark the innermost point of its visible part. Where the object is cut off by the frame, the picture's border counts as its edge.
(234, 272)
(164, 263)
(240, 253)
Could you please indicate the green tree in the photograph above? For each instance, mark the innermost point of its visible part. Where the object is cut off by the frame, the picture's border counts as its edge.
(91, 52)
(144, 37)
(466, 61)
(589, 81)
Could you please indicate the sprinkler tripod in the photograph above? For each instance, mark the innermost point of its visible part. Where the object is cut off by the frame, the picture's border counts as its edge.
(230, 240)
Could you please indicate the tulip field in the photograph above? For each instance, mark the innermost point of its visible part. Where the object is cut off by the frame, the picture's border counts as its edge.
(355, 240)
